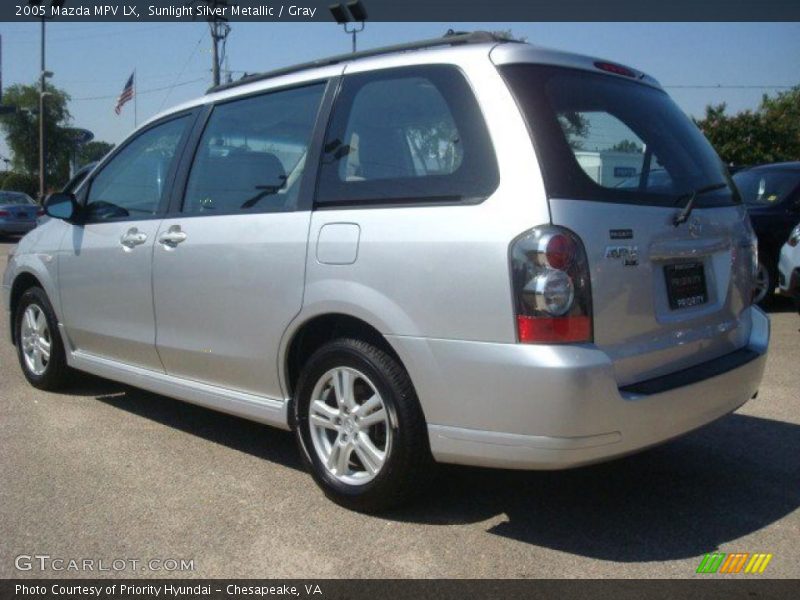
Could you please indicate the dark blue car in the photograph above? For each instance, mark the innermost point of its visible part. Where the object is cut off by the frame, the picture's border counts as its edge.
(772, 196)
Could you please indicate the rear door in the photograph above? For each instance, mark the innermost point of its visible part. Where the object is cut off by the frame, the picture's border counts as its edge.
(620, 162)
(229, 261)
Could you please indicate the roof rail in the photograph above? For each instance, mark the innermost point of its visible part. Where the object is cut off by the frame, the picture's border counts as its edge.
(451, 38)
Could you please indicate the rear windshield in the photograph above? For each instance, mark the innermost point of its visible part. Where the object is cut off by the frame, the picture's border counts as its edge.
(602, 137)
(15, 198)
(766, 188)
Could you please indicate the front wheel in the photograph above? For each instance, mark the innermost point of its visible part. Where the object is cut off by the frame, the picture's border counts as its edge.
(39, 346)
(360, 427)
(764, 285)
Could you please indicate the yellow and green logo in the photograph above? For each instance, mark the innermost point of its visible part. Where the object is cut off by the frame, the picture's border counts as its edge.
(735, 562)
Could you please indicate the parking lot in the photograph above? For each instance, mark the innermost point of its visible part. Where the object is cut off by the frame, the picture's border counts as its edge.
(106, 471)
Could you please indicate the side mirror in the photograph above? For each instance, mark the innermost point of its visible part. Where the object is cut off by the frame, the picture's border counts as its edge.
(60, 205)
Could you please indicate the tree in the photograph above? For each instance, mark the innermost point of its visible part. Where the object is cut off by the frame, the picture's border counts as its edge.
(22, 131)
(19, 182)
(507, 34)
(771, 133)
(92, 152)
(626, 146)
(575, 127)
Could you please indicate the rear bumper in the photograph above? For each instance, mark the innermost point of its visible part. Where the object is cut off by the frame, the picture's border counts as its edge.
(529, 407)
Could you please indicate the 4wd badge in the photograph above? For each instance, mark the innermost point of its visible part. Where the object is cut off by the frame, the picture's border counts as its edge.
(629, 255)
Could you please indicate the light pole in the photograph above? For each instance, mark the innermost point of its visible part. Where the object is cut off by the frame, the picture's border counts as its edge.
(42, 82)
(350, 13)
(43, 75)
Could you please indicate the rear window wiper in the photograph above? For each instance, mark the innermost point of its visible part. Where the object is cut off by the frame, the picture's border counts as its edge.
(683, 215)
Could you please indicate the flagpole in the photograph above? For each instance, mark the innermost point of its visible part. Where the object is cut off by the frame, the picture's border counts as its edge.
(135, 101)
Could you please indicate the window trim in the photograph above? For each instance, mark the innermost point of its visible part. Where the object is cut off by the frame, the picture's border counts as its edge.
(400, 202)
(86, 189)
(304, 196)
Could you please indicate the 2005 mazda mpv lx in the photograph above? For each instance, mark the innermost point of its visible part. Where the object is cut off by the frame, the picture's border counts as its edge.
(465, 250)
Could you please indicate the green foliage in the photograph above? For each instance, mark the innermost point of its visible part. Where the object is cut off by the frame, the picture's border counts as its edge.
(575, 127)
(628, 146)
(22, 130)
(93, 151)
(771, 133)
(507, 34)
(20, 182)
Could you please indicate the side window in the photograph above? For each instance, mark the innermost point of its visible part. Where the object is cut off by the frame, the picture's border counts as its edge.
(133, 183)
(253, 152)
(408, 134)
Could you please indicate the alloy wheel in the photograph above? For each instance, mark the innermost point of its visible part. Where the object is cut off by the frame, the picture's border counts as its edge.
(350, 426)
(35, 340)
(761, 284)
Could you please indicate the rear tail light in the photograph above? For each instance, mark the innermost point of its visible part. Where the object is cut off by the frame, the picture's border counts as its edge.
(4, 213)
(40, 212)
(550, 279)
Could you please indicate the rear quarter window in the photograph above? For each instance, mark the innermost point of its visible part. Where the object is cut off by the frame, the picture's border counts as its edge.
(407, 135)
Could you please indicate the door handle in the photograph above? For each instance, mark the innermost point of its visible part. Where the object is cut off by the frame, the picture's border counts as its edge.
(172, 237)
(132, 238)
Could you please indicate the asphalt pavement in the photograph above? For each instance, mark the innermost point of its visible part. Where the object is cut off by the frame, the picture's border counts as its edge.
(106, 472)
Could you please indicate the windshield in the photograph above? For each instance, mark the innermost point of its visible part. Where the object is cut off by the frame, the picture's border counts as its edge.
(15, 198)
(766, 187)
(601, 137)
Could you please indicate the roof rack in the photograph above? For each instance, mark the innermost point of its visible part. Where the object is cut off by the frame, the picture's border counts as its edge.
(451, 38)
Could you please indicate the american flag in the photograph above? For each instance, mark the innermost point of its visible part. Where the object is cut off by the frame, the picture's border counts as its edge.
(127, 94)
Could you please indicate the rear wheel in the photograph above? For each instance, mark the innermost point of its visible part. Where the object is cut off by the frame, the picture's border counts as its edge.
(39, 346)
(360, 428)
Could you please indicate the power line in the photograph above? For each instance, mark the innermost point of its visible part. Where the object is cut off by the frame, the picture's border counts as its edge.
(180, 73)
(72, 38)
(150, 91)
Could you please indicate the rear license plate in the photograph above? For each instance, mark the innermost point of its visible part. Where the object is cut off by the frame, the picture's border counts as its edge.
(686, 285)
(22, 215)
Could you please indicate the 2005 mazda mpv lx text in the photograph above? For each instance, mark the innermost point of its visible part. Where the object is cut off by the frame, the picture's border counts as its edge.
(466, 250)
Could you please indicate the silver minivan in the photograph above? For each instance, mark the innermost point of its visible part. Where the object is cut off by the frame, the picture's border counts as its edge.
(466, 250)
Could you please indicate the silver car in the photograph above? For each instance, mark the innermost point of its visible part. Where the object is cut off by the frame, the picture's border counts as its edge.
(18, 213)
(411, 255)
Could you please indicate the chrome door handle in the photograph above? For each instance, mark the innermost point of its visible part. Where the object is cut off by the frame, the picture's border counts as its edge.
(132, 238)
(172, 237)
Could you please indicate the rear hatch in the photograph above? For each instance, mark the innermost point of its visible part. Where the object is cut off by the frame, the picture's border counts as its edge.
(620, 161)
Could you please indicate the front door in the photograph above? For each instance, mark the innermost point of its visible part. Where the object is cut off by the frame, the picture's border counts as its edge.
(106, 260)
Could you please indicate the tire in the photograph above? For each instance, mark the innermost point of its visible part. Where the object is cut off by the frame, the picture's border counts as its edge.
(35, 325)
(766, 281)
(401, 437)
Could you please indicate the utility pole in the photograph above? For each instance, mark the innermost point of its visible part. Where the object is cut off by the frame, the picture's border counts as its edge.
(219, 28)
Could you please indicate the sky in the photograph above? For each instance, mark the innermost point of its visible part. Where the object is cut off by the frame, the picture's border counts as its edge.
(698, 63)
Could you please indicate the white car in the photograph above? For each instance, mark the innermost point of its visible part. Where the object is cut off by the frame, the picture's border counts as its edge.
(789, 266)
